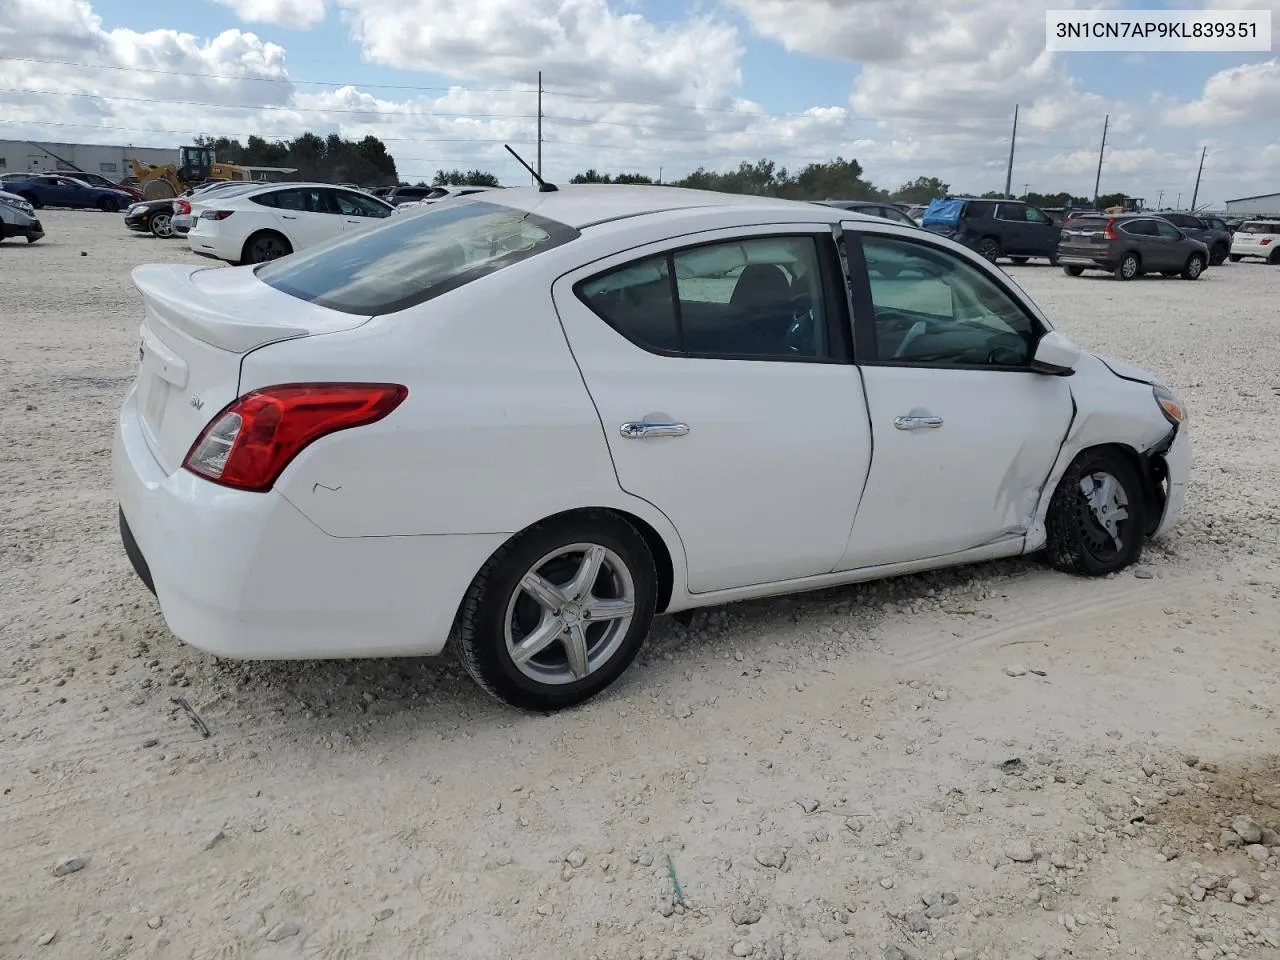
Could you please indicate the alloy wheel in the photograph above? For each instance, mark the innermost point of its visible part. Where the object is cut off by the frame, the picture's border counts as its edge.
(1103, 515)
(569, 614)
(1129, 267)
(266, 248)
(162, 225)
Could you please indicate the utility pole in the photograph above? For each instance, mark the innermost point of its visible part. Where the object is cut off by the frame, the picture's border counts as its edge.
(1098, 179)
(539, 168)
(1159, 200)
(1178, 206)
(659, 175)
(1196, 194)
(1008, 174)
(1025, 188)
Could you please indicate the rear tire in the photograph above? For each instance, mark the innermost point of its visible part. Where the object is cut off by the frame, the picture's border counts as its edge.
(1274, 259)
(1218, 255)
(989, 249)
(265, 245)
(1077, 539)
(1073, 271)
(1194, 267)
(161, 225)
(108, 205)
(499, 614)
(1128, 267)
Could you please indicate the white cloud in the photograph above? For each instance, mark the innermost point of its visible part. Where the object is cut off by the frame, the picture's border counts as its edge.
(298, 14)
(1250, 92)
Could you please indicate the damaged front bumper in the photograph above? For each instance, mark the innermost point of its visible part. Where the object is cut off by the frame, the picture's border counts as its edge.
(1166, 467)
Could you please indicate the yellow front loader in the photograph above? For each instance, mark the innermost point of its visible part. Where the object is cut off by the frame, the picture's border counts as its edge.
(196, 165)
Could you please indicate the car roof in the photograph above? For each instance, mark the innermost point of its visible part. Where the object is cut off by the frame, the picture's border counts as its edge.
(582, 205)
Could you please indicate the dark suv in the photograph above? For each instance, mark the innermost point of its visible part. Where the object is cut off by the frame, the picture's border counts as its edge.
(1129, 245)
(996, 228)
(1210, 231)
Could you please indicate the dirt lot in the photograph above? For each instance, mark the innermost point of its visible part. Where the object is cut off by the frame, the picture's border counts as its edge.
(996, 762)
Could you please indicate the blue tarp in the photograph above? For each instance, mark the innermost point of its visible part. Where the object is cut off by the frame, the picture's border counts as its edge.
(942, 213)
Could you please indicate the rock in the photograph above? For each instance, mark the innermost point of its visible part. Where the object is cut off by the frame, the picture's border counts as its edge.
(1247, 829)
(773, 857)
(886, 883)
(155, 923)
(747, 913)
(915, 853)
(1020, 852)
(941, 695)
(683, 712)
(742, 949)
(893, 952)
(963, 953)
(1258, 852)
(575, 858)
(283, 931)
(1228, 839)
(1140, 575)
(213, 840)
(47, 938)
(808, 804)
(917, 922)
(384, 914)
(1240, 888)
(1206, 953)
(667, 905)
(936, 898)
(68, 865)
(1015, 670)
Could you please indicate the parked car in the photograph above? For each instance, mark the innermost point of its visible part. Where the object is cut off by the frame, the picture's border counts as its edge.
(151, 216)
(18, 218)
(886, 211)
(189, 206)
(274, 220)
(98, 180)
(534, 421)
(995, 228)
(1130, 245)
(56, 190)
(399, 195)
(916, 212)
(1210, 231)
(436, 195)
(1257, 238)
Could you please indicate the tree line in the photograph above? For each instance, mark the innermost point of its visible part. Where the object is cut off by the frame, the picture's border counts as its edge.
(367, 162)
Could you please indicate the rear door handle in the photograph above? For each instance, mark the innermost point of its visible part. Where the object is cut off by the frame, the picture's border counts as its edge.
(643, 430)
(285, 216)
(917, 423)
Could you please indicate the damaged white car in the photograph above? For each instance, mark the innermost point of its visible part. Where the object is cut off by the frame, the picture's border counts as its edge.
(528, 422)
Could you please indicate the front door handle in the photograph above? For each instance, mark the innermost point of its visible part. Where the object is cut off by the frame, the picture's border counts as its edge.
(643, 430)
(285, 216)
(917, 423)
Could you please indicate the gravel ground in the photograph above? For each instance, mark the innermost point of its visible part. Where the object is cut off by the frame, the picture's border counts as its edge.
(991, 762)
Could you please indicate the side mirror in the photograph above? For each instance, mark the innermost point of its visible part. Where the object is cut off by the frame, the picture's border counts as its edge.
(1055, 355)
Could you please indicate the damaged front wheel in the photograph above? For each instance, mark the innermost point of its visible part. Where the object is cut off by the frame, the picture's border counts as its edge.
(1097, 516)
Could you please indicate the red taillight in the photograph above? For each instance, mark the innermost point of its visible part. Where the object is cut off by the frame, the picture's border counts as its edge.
(248, 445)
(181, 206)
(216, 214)
(1264, 241)
(1110, 231)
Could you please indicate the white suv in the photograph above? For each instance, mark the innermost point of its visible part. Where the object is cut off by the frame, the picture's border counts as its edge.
(1257, 238)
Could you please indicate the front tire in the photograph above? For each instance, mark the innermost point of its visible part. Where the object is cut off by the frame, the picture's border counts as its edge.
(1128, 267)
(1235, 258)
(1218, 255)
(1097, 518)
(1073, 271)
(161, 225)
(559, 612)
(1194, 267)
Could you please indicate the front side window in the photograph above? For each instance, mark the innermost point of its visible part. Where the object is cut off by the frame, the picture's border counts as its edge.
(1013, 211)
(755, 298)
(409, 260)
(1036, 216)
(893, 213)
(1168, 230)
(932, 308)
(354, 205)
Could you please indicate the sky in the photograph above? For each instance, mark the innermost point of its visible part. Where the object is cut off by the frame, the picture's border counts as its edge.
(909, 88)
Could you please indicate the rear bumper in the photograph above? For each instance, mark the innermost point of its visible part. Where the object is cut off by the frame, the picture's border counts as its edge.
(1081, 260)
(181, 224)
(247, 576)
(212, 245)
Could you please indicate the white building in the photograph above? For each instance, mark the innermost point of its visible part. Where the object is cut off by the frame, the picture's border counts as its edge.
(1266, 203)
(21, 156)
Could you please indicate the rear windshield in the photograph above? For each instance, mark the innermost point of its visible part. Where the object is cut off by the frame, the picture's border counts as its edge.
(411, 259)
(1259, 227)
(1087, 223)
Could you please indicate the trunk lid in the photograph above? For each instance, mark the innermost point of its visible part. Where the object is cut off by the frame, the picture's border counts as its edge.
(198, 324)
(1085, 233)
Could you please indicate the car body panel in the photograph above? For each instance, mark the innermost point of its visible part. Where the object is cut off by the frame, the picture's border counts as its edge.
(1257, 238)
(57, 190)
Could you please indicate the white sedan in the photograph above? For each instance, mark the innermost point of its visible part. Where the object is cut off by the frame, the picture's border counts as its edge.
(271, 221)
(531, 425)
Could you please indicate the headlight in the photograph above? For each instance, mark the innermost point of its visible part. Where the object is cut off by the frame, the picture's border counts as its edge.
(20, 205)
(1170, 406)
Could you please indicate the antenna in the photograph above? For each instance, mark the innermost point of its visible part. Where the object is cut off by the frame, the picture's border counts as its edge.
(543, 186)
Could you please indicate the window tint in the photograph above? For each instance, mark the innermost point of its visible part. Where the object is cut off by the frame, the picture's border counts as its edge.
(1216, 224)
(305, 200)
(753, 298)
(976, 209)
(1012, 211)
(1035, 216)
(1167, 230)
(409, 260)
(896, 215)
(354, 205)
(1259, 226)
(933, 308)
(1140, 228)
(636, 300)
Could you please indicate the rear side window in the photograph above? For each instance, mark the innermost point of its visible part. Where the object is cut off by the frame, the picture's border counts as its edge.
(1140, 228)
(980, 210)
(409, 260)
